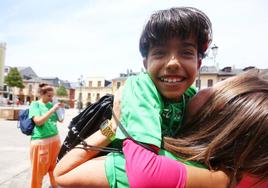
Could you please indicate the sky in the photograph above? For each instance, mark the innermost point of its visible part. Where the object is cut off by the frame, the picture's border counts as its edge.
(70, 38)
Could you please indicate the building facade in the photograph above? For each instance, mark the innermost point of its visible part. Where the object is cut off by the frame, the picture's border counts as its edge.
(120, 81)
(209, 75)
(31, 87)
(91, 90)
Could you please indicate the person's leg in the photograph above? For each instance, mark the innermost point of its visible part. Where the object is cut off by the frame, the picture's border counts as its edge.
(54, 149)
(89, 174)
(39, 160)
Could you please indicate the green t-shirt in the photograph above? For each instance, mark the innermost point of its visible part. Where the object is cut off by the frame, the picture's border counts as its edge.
(146, 115)
(49, 128)
(141, 106)
(147, 118)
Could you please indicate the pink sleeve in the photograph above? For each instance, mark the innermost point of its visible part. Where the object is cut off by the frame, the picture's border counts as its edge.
(146, 169)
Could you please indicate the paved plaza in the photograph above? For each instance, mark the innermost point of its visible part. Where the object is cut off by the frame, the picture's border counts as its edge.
(14, 148)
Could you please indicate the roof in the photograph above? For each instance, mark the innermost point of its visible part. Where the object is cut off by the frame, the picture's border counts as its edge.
(208, 70)
(226, 71)
(57, 82)
(27, 73)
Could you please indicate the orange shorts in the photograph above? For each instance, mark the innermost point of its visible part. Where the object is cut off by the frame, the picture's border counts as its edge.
(43, 153)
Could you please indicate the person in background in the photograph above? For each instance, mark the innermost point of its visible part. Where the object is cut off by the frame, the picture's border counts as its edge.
(45, 141)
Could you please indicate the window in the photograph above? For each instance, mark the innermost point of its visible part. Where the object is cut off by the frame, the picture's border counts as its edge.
(204, 69)
(99, 83)
(90, 84)
(89, 96)
(98, 96)
(118, 84)
(30, 88)
(210, 82)
(198, 84)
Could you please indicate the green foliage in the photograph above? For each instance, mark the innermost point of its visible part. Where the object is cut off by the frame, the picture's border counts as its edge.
(14, 79)
(61, 91)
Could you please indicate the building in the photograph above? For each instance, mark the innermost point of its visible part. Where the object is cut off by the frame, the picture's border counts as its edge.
(209, 75)
(120, 81)
(55, 82)
(31, 83)
(91, 90)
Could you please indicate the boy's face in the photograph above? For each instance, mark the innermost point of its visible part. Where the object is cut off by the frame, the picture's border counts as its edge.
(173, 66)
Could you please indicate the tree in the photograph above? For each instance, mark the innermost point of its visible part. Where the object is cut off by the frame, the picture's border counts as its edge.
(14, 79)
(61, 91)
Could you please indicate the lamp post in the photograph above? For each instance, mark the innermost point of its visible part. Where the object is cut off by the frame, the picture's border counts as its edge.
(212, 55)
(214, 50)
(81, 83)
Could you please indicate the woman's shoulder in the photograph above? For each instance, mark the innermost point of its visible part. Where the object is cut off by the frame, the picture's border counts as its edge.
(35, 104)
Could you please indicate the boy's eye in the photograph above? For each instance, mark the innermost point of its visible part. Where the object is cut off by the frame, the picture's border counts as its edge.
(158, 53)
(188, 53)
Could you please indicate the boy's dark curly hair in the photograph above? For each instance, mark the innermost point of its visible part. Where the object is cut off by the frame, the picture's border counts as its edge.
(181, 22)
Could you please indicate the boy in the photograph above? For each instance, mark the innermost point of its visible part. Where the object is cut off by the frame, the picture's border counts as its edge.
(153, 103)
(172, 44)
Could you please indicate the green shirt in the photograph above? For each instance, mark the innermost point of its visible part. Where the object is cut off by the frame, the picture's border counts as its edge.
(147, 117)
(49, 128)
(141, 106)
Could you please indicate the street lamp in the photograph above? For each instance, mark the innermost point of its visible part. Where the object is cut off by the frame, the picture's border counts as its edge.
(81, 83)
(214, 50)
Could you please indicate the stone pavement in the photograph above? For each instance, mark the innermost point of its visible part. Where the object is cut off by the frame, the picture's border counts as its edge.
(14, 148)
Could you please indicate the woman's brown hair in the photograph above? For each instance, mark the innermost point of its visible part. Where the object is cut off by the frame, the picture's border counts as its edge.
(230, 131)
(44, 88)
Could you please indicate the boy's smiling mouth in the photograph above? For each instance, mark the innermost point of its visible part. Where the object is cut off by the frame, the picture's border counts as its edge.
(171, 79)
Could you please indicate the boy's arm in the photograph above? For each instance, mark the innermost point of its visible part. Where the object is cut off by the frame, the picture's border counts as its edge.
(160, 171)
(77, 157)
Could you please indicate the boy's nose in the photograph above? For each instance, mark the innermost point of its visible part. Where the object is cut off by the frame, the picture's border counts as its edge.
(173, 63)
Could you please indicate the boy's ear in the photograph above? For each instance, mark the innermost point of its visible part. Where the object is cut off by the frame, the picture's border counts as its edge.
(145, 63)
(199, 63)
